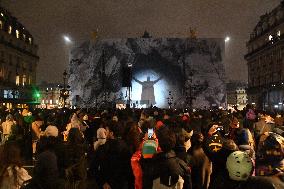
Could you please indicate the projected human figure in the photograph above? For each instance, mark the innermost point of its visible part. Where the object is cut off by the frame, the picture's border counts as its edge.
(147, 95)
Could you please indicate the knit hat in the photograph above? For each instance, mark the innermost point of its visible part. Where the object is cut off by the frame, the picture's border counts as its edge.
(270, 154)
(239, 166)
(149, 148)
(271, 147)
(51, 131)
(214, 144)
(101, 133)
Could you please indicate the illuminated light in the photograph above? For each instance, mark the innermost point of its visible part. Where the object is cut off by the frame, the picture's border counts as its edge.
(30, 40)
(17, 80)
(57, 101)
(2, 14)
(160, 89)
(50, 101)
(276, 106)
(270, 37)
(280, 103)
(253, 103)
(67, 39)
(227, 39)
(10, 29)
(279, 33)
(17, 33)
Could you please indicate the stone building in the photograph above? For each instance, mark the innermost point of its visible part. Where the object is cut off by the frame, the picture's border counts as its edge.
(236, 95)
(265, 60)
(18, 62)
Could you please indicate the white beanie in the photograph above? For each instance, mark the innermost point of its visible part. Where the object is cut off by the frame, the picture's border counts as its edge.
(51, 131)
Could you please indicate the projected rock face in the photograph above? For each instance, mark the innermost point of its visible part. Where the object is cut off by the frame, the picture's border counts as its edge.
(186, 68)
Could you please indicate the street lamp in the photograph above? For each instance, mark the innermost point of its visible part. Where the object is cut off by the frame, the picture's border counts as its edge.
(64, 90)
(67, 39)
(227, 39)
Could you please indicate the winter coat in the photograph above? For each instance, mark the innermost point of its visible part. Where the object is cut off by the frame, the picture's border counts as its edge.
(46, 170)
(8, 181)
(114, 163)
(168, 172)
(201, 169)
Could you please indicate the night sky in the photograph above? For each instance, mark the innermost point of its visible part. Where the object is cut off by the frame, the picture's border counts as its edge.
(49, 20)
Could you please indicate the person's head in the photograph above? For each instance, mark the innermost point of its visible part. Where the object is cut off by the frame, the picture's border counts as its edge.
(101, 133)
(9, 117)
(112, 130)
(75, 136)
(51, 131)
(10, 154)
(167, 139)
(148, 78)
(234, 123)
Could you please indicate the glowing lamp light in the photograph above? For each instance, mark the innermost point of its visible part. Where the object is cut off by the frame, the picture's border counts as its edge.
(67, 39)
(227, 39)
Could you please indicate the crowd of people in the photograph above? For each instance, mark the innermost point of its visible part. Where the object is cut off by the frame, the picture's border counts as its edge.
(141, 149)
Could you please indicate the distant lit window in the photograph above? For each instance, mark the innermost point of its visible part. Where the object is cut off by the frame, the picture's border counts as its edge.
(279, 33)
(30, 40)
(17, 33)
(42, 101)
(10, 29)
(270, 37)
(2, 14)
(50, 101)
(17, 80)
(1, 24)
(24, 79)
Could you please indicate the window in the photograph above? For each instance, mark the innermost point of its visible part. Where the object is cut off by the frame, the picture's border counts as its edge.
(50, 101)
(270, 37)
(24, 80)
(10, 29)
(17, 80)
(7, 94)
(279, 33)
(17, 34)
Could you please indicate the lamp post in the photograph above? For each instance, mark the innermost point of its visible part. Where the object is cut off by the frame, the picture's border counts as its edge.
(64, 90)
(170, 99)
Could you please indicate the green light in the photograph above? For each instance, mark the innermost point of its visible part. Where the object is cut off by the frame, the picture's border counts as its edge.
(37, 95)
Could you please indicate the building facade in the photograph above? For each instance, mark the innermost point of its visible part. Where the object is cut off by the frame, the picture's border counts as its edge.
(265, 61)
(236, 95)
(18, 62)
(51, 96)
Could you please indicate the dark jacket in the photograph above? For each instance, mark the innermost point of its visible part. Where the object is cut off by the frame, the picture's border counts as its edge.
(167, 167)
(114, 163)
(46, 170)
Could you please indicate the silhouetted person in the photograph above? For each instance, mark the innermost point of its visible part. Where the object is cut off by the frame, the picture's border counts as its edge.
(147, 95)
